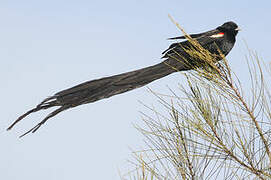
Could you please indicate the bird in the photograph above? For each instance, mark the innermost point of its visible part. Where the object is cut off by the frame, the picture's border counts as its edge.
(216, 41)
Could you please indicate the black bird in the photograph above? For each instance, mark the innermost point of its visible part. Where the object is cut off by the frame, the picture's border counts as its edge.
(219, 40)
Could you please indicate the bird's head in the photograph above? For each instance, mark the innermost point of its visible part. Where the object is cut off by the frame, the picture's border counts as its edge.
(229, 27)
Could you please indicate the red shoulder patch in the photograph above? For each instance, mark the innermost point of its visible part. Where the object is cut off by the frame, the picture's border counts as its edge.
(218, 35)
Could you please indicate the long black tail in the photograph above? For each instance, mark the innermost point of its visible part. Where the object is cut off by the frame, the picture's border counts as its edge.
(95, 90)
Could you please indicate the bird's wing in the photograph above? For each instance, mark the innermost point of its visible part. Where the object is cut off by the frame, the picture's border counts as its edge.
(204, 40)
(202, 37)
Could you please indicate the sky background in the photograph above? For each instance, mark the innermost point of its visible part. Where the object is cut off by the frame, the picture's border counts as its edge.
(47, 46)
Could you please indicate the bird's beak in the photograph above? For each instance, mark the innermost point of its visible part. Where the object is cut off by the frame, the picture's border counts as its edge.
(238, 29)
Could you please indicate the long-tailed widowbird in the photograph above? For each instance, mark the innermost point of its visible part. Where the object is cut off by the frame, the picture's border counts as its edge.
(217, 41)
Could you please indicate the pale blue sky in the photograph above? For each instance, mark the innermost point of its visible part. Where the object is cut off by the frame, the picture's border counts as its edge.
(47, 46)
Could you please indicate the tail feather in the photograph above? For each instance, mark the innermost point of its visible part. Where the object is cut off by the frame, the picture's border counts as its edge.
(95, 90)
(52, 114)
(45, 104)
(26, 114)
